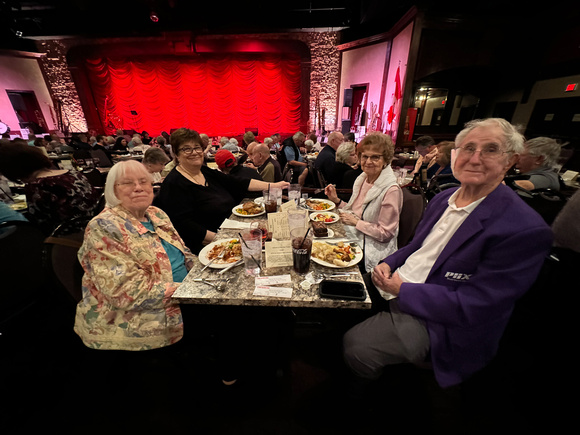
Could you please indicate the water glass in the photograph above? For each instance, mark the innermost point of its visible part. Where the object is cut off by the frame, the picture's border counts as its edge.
(252, 251)
(296, 219)
(294, 193)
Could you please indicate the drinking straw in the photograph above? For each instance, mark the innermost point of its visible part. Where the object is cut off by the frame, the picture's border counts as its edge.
(307, 231)
(255, 261)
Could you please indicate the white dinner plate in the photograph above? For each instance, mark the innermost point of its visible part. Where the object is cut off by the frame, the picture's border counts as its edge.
(203, 255)
(331, 205)
(357, 258)
(234, 211)
(330, 235)
(334, 216)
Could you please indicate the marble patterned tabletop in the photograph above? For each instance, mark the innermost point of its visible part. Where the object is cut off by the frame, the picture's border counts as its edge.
(240, 287)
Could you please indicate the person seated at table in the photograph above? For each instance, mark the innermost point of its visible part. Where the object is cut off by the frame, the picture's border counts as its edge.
(346, 160)
(120, 144)
(449, 293)
(290, 154)
(138, 145)
(228, 164)
(133, 261)
(371, 216)
(443, 175)
(155, 160)
(54, 196)
(327, 157)
(197, 198)
(267, 167)
(275, 145)
(425, 145)
(538, 161)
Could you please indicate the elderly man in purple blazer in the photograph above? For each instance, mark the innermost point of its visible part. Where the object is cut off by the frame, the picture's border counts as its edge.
(452, 290)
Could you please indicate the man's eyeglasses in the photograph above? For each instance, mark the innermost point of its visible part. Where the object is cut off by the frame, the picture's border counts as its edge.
(189, 150)
(132, 184)
(487, 152)
(375, 158)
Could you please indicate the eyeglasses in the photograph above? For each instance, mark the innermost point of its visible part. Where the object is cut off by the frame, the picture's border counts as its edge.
(132, 184)
(189, 150)
(488, 152)
(375, 158)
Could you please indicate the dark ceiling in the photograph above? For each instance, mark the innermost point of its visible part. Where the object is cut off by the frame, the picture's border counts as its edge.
(121, 18)
(502, 35)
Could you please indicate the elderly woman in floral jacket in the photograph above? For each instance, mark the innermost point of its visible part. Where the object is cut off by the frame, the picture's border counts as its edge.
(133, 261)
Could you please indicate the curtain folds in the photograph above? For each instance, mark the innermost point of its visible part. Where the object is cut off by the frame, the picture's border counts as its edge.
(217, 95)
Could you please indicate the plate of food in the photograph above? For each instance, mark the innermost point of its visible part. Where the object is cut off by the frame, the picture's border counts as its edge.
(327, 217)
(320, 230)
(232, 253)
(319, 204)
(249, 209)
(335, 255)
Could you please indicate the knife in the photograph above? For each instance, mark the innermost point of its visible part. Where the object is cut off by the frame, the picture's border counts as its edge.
(237, 263)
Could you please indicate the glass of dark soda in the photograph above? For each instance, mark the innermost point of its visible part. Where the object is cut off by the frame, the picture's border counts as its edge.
(301, 249)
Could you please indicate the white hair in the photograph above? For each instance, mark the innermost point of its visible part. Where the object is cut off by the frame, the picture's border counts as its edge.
(118, 171)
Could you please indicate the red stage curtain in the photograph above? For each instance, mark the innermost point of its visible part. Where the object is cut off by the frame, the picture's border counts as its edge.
(217, 95)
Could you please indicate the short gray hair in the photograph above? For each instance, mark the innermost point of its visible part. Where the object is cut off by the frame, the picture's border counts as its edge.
(547, 147)
(117, 171)
(514, 140)
(344, 150)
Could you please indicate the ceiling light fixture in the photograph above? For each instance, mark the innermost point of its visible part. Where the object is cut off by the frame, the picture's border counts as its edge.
(154, 17)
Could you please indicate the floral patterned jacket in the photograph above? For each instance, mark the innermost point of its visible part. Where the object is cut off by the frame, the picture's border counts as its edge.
(128, 282)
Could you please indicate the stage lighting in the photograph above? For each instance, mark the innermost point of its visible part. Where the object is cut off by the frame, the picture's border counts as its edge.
(154, 17)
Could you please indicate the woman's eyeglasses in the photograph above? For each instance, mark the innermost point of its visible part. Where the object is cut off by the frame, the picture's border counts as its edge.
(189, 150)
(132, 184)
(374, 158)
(487, 152)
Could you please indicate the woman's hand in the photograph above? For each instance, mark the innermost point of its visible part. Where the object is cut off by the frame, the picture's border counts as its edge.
(385, 280)
(330, 192)
(348, 218)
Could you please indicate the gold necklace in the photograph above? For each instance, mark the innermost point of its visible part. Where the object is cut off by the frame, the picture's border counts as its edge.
(193, 177)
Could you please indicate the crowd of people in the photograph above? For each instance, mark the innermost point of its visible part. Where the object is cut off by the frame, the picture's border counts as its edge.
(445, 298)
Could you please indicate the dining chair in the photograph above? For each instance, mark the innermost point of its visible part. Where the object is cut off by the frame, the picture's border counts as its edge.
(103, 161)
(23, 280)
(60, 260)
(414, 203)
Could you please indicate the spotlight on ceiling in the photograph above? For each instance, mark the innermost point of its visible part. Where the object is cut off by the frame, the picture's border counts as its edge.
(154, 17)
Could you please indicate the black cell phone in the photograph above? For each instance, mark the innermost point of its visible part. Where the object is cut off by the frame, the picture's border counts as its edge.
(335, 289)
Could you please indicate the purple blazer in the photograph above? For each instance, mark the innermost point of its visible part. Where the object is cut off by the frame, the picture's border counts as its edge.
(491, 261)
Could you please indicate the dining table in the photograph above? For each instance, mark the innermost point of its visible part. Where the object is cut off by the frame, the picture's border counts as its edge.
(241, 289)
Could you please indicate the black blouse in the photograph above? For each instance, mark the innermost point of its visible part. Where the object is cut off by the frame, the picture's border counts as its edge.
(194, 209)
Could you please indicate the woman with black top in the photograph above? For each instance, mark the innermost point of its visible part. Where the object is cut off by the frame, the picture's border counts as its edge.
(198, 198)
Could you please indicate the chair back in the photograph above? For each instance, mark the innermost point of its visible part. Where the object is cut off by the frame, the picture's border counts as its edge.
(23, 277)
(414, 203)
(287, 173)
(60, 259)
(320, 180)
(101, 159)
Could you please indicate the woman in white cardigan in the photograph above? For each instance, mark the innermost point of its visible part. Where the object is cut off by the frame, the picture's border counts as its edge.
(372, 214)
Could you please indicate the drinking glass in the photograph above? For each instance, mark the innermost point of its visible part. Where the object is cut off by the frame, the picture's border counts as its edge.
(296, 218)
(294, 193)
(270, 200)
(252, 251)
(301, 249)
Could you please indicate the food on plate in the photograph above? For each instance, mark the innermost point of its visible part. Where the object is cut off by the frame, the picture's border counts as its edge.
(323, 217)
(233, 252)
(340, 254)
(250, 208)
(317, 205)
(320, 229)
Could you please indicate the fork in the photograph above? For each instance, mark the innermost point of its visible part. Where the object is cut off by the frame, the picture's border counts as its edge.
(219, 257)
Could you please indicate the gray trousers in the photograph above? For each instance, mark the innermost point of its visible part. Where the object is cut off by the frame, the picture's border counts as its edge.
(386, 338)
